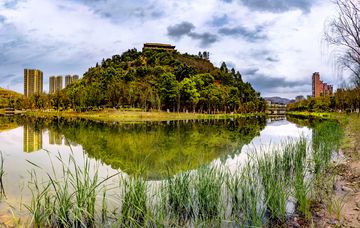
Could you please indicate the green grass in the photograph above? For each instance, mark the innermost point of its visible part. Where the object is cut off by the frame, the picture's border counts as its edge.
(255, 194)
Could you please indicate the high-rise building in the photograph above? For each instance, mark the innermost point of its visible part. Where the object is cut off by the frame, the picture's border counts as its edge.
(316, 84)
(75, 77)
(33, 82)
(59, 83)
(52, 84)
(68, 80)
(32, 139)
(319, 88)
(299, 98)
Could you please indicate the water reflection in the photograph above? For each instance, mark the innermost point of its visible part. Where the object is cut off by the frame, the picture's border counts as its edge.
(32, 139)
(157, 148)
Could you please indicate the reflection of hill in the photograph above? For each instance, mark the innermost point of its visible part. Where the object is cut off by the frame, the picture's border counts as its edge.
(154, 147)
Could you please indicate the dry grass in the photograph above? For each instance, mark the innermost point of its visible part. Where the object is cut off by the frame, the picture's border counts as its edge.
(131, 116)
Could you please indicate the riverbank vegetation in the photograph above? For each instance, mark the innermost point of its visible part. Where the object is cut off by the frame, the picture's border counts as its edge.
(258, 192)
(153, 79)
(347, 100)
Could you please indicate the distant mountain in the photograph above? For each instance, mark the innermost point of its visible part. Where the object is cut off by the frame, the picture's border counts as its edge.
(278, 100)
(5, 93)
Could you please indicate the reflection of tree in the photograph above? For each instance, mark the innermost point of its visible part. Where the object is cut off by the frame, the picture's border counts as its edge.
(303, 120)
(156, 146)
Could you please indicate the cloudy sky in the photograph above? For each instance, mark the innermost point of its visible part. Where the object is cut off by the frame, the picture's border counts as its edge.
(275, 44)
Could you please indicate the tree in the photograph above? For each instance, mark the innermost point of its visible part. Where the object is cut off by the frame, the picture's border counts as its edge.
(188, 91)
(168, 85)
(342, 32)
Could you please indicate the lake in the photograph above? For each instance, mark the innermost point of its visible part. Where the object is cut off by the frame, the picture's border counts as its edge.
(156, 149)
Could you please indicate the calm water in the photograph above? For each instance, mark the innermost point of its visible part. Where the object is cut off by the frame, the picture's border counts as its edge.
(129, 148)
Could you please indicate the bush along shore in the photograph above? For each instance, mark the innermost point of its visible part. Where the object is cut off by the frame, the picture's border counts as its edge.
(266, 189)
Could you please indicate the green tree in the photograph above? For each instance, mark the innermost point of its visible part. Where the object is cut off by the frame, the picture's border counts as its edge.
(168, 86)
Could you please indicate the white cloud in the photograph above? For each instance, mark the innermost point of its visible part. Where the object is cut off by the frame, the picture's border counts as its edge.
(67, 37)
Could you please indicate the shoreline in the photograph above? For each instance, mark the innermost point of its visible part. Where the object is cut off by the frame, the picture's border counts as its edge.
(131, 116)
(346, 190)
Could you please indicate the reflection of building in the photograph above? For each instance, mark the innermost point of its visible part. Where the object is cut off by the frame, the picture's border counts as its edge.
(51, 138)
(32, 139)
(68, 142)
(55, 138)
(33, 82)
(58, 139)
(319, 88)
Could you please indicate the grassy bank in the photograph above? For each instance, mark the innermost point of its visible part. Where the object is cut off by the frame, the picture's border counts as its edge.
(257, 193)
(130, 116)
(350, 124)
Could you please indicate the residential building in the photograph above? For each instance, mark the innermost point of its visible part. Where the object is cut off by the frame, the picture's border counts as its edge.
(75, 77)
(159, 46)
(59, 83)
(68, 80)
(319, 88)
(33, 82)
(316, 84)
(52, 84)
(299, 98)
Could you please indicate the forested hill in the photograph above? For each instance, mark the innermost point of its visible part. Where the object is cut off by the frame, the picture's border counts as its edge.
(161, 79)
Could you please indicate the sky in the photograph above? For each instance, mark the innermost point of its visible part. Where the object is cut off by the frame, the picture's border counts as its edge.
(276, 45)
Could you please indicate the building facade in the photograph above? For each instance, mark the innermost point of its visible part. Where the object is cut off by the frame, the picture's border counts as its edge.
(59, 83)
(52, 83)
(299, 98)
(69, 79)
(33, 82)
(75, 77)
(319, 88)
(159, 46)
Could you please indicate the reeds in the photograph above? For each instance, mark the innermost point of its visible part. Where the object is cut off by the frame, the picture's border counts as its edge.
(257, 193)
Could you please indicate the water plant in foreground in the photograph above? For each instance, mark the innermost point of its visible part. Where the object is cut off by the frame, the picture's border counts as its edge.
(255, 194)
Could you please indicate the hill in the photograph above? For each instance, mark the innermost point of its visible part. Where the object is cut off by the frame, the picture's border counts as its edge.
(278, 100)
(5, 93)
(158, 79)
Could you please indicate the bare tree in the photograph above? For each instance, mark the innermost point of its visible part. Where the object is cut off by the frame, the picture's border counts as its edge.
(343, 32)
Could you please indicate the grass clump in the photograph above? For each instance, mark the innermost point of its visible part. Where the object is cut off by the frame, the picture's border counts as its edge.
(257, 193)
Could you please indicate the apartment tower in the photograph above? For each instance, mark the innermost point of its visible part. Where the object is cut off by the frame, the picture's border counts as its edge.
(52, 84)
(33, 82)
(316, 84)
(75, 77)
(59, 83)
(68, 80)
(319, 88)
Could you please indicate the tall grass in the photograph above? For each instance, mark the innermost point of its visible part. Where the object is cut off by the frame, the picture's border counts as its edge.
(259, 192)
